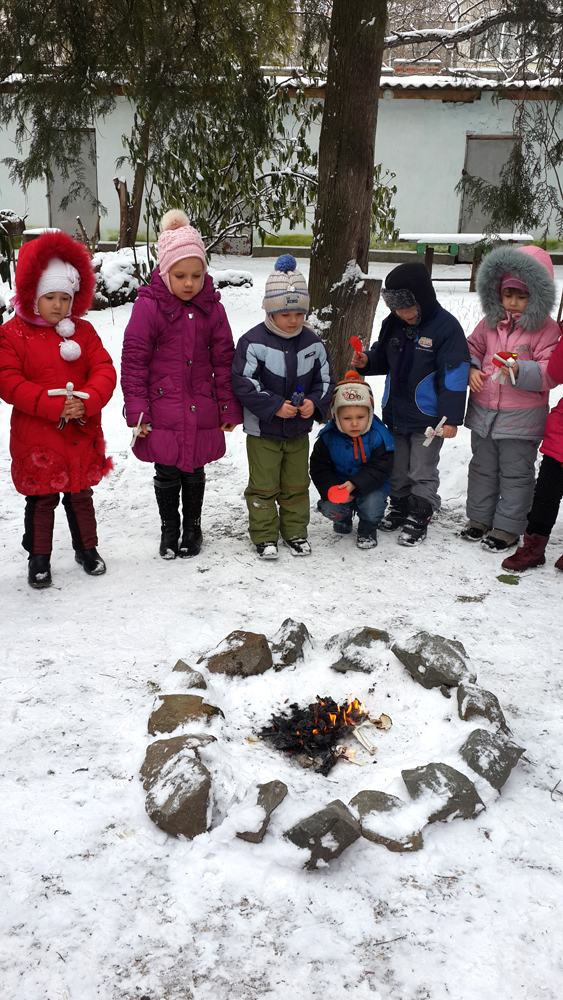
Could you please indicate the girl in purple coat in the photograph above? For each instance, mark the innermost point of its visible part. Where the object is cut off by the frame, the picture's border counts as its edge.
(176, 378)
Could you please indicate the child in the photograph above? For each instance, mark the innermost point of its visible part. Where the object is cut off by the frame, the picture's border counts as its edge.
(423, 351)
(176, 380)
(507, 420)
(56, 442)
(275, 362)
(355, 452)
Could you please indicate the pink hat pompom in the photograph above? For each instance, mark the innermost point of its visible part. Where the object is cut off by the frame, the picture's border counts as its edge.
(174, 219)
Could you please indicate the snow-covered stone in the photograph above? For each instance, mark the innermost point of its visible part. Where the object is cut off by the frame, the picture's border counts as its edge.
(359, 648)
(434, 661)
(325, 834)
(192, 678)
(178, 786)
(270, 796)
(474, 700)
(241, 654)
(491, 755)
(386, 819)
(177, 709)
(447, 792)
(289, 643)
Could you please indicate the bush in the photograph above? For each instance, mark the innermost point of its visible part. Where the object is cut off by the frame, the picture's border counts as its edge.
(116, 278)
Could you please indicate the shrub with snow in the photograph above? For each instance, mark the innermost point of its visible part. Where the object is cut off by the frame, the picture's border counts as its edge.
(116, 278)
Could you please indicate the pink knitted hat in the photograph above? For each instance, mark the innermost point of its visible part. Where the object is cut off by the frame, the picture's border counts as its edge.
(178, 240)
(511, 281)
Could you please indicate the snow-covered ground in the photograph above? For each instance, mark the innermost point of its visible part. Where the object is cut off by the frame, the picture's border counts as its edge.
(99, 904)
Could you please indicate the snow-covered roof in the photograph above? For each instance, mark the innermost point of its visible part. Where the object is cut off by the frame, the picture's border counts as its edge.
(442, 81)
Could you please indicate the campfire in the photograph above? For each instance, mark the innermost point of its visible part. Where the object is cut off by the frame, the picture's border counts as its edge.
(317, 731)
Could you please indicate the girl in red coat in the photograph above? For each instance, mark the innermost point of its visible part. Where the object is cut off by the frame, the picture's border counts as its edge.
(176, 379)
(56, 440)
(549, 487)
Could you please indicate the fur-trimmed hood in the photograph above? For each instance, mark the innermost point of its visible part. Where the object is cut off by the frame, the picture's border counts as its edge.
(33, 259)
(524, 263)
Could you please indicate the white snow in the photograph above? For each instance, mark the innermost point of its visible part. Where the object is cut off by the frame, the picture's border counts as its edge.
(99, 904)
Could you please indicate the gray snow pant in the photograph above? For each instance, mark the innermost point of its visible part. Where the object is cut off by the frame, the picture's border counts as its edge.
(501, 482)
(415, 468)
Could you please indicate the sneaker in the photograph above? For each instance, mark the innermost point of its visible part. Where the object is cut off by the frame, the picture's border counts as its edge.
(396, 514)
(498, 540)
(267, 550)
(91, 560)
(416, 524)
(474, 531)
(298, 546)
(342, 527)
(39, 571)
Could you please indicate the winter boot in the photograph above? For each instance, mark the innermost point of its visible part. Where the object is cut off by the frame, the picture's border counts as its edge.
(343, 526)
(530, 554)
(91, 560)
(474, 531)
(396, 514)
(559, 564)
(168, 500)
(298, 546)
(39, 571)
(193, 489)
(267, 550)
(367, 535)
(498, 540)
(416, 524)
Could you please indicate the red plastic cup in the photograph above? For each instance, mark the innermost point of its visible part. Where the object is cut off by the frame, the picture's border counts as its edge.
(338, 495)
(357, 344)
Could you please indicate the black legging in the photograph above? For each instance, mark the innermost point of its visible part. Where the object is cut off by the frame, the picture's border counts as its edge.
(547, 497)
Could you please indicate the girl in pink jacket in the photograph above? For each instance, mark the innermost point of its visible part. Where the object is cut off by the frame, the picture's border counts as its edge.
(508, 405)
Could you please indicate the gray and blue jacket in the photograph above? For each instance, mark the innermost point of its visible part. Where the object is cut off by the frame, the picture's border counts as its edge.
(267, 370)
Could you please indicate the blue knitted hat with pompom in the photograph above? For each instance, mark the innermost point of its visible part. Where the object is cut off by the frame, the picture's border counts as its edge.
(286, 288)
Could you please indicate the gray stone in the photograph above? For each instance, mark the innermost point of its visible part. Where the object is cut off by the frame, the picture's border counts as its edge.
(325, 834)
(178, 786)
(473, 700)
(354, 646)
(491, 755)
(380, 821)
(434, 661)
(270, 796)
(192, 677)
(241, 654)
(288, 643)
(177, 709)
(450, 792)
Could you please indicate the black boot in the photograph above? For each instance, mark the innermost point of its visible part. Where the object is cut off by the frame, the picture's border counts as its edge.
(416, 524)
(367, 535)
(168, 500)
(193, 489)
(39, 571)
(396, 514)
(91, 560)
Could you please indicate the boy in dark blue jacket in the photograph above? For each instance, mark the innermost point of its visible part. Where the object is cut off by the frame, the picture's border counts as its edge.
(354, 453)
(424, 354)
(283, 377)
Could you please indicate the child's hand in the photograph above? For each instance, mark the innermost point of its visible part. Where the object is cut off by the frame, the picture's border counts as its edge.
(287, 411)
(307, 408)
(449, 431)
(73, 409)
(228, 427)
(359, 360)
(144, 432)
(348, 485)
(476, 379)
(506, 370)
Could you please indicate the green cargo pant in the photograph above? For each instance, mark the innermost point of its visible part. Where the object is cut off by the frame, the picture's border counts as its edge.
(279, 477)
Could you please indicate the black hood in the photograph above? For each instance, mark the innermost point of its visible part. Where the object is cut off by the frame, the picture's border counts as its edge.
(416, 279)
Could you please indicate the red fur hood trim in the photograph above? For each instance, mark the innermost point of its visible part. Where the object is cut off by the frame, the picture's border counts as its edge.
(33, 259)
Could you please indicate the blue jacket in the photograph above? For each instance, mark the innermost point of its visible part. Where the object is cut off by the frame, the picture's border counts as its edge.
(333, 460)
(426, 376)
(267, 370)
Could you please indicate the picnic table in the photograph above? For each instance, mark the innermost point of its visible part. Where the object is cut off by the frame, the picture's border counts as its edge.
(425, 243)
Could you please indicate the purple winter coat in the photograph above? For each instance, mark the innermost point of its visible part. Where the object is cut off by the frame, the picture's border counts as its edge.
(176, 370)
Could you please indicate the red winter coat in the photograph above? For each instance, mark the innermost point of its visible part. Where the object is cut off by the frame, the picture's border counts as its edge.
(176, 371)
(44, 458)
(553, 438)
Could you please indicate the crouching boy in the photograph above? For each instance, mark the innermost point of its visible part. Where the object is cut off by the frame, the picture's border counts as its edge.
(353, 452)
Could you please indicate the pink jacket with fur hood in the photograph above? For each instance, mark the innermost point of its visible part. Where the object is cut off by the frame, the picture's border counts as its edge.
(520, 410)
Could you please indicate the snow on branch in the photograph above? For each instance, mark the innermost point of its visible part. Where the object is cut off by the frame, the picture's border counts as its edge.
(448, 36)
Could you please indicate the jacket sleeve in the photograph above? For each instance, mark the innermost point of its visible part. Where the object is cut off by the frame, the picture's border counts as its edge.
(323, 471)
(247, 382)
(16, 389)
(322, 385)
(222, 354)
(102, 377)
(452, 373)
(477, 342)
(375, 472)
(555, 366)
(533, 375)
(136, 357)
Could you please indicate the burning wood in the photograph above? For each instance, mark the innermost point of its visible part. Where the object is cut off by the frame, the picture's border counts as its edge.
(315, 730)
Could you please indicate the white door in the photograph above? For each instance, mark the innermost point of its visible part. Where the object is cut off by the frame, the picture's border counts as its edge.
(59, 189)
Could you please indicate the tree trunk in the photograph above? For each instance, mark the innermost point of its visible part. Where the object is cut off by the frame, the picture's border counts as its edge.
(346, 164)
